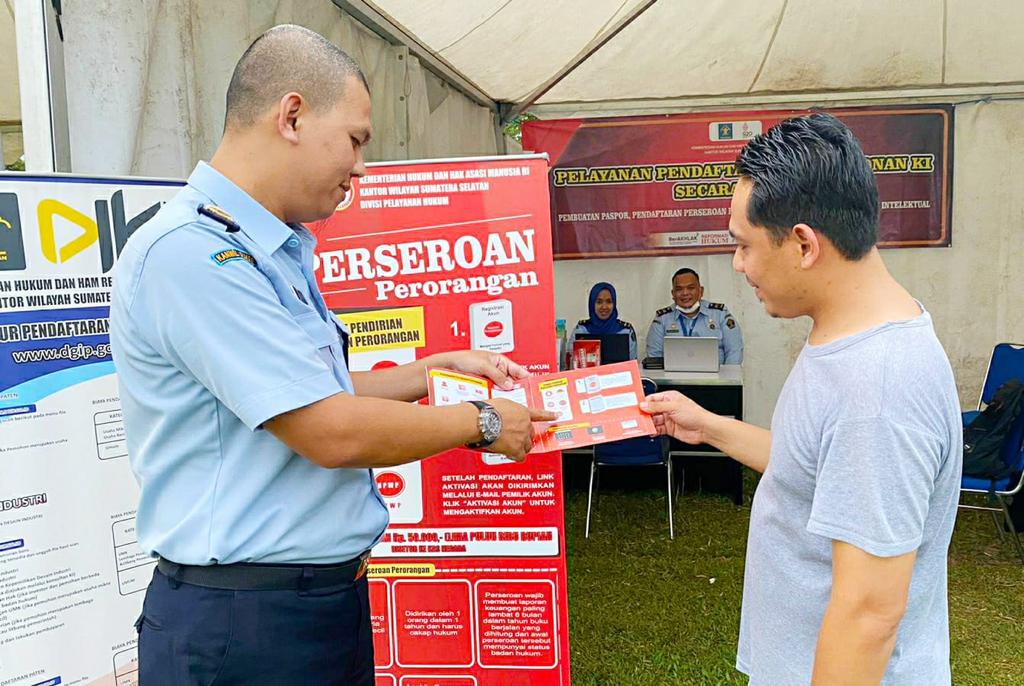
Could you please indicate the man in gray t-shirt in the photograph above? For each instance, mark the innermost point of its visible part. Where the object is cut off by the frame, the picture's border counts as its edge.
(864, 449)
(845, 578)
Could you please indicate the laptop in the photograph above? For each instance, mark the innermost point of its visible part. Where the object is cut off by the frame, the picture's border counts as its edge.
(614, 346)
(691, 354)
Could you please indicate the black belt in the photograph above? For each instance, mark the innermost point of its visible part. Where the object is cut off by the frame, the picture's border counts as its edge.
(266, 577)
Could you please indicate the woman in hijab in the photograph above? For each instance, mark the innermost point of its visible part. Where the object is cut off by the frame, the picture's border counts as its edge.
(604, 317)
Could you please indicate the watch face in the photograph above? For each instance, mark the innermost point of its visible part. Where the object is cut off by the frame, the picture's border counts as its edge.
(490, 422)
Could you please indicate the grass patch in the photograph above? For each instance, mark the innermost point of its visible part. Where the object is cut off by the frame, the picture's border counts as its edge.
(647, 610)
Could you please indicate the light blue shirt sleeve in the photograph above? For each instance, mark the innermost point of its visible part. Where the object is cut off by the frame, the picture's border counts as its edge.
(732, 339)
(632, 342)
(656, 338)
(224, 325)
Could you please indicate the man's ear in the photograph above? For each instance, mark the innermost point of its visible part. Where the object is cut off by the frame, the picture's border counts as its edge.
(288, 110)
(808, 241)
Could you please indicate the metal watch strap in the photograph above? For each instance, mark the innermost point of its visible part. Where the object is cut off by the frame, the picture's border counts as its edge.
(481, 406)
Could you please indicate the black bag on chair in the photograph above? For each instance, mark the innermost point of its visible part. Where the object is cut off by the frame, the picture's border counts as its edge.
(984, 437)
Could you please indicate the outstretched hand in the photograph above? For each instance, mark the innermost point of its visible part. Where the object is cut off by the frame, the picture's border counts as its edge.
(677, 416)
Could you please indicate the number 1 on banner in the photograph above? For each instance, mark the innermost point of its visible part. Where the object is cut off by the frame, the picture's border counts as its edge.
(457, 330)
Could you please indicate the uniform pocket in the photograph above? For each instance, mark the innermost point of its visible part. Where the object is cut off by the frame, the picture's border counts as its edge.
(322, 334)
(144, 621)
(185, 633)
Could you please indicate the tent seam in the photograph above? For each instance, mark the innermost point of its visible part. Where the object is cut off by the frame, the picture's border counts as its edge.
(771, 44)
(482, 22)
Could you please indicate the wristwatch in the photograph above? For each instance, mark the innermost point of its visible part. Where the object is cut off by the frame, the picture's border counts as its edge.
(489, 423)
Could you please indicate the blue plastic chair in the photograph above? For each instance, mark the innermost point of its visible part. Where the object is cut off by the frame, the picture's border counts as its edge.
(632, 452)
(1007, 363)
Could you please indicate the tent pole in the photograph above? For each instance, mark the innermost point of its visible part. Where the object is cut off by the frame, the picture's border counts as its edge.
(44, 102)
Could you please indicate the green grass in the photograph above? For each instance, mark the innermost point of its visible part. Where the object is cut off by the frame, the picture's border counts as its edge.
(647, 610)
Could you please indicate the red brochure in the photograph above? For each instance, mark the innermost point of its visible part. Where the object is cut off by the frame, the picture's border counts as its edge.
(594, 405)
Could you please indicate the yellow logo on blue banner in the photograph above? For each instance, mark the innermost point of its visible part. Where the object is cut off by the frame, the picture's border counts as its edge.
(50, 208)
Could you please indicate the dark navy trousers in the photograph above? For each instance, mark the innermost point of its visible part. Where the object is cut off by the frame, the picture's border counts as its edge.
(190, 635)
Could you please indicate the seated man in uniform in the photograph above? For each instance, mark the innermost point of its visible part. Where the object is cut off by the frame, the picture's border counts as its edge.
(691, 315)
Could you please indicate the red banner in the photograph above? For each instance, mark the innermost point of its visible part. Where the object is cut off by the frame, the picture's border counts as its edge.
(661, 185)
(468, 586)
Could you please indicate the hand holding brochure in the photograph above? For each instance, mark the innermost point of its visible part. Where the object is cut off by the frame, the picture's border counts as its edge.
(595, 405)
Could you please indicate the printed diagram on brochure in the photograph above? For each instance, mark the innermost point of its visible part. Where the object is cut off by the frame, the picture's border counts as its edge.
(594, 405)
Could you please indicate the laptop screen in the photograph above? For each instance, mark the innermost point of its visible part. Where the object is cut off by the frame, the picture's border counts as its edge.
(691, 354)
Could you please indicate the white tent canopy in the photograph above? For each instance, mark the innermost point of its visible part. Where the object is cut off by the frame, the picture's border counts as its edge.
(145, 78)
(696, 50)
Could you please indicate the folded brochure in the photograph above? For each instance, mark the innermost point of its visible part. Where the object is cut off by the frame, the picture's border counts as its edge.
(594, 405)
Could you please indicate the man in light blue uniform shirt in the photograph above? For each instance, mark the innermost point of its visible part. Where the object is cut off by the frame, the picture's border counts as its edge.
(691, 315)
(252, 442)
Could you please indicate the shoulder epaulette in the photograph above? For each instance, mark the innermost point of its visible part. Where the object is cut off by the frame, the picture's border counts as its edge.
(716, 306)
(220, 216)
(625, 325)
(582, 322)
(664, 310)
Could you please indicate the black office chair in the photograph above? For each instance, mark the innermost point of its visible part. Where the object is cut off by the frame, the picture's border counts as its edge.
(1007, 362)
(632, 452)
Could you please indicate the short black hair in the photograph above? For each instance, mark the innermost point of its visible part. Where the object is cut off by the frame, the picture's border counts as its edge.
(812, 170)
(287, 58)
(686, 270)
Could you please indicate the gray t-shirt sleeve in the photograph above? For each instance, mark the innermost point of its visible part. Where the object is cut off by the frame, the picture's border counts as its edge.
(875, 480)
